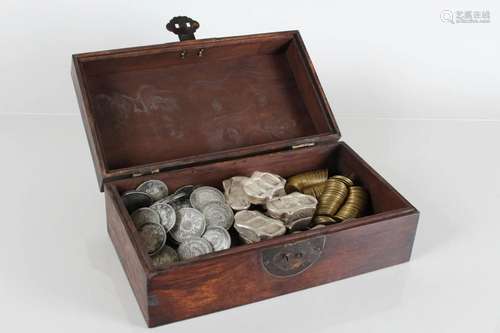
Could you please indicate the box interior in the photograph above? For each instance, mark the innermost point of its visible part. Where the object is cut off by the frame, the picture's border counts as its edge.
(338, 158)
(149, 107)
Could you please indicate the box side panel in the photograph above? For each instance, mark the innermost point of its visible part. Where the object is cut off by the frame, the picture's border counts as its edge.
(211, 285)
(128, 254)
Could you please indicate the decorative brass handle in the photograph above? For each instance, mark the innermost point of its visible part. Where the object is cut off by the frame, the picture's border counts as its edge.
(183, 26)
(293, 258)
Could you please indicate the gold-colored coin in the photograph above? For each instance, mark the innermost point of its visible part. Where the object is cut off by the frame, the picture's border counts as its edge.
(315, 190)
(346, 180)
(355, 204)
(306, 179)
(332, 198)
(321, 220)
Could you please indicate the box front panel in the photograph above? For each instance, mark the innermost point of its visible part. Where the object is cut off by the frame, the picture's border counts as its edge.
(215, 284)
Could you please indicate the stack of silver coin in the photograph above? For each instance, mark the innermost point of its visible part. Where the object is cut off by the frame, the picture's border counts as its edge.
(194, 219)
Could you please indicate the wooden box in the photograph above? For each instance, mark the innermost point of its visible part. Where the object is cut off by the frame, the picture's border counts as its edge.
(201, 111)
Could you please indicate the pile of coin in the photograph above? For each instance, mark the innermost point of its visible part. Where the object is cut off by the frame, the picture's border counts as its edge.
(194, 220)
(197, 220)
(338, 198)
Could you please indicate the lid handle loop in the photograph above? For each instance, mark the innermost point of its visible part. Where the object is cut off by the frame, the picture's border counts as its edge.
(184, 27)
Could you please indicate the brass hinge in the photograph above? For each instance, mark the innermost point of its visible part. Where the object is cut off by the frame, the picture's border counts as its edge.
(303, 145)
(152, 172)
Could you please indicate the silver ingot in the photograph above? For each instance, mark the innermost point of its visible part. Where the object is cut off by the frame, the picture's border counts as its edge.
(145, 215)
(204, 195)
(235, 196)
(218, 214)
(254, 226)
(155, 188)
(165, 257)
(295, 209)
(194, 247)
(245, 240)
(218, 237)
(263, 186)
(189, 223)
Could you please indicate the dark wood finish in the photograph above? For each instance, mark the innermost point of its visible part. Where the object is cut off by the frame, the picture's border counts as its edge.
(147, 109)
(196, 286)
(201, 111)
(129, 249)
(224, 282)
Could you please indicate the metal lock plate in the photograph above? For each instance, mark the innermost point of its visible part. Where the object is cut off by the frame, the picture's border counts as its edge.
(294, 258)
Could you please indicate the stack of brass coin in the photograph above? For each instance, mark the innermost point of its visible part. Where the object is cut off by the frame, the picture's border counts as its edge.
(315, 190)
(346, 180)
(354, 205)
(331, 199)
(301, 181)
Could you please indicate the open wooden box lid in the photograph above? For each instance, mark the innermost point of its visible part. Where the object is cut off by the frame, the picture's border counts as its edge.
(154, 108)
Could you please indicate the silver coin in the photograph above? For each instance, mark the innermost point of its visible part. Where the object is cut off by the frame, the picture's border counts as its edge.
(167, 214)
(145, 215)
(218, 237)
(218, 214)
(177, 201)
(154, 237)
(165, 257)
(155, 188)
(193, 247)
(189, 223)
(134, 200)
(205, 194)
(174, 197)
(186, 189)
(179, 204)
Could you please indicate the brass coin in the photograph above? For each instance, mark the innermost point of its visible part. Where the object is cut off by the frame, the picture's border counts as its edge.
(346, 180)
(306, 179)
(332, 198)
(321, 219)
(354, 206)
(315, 190)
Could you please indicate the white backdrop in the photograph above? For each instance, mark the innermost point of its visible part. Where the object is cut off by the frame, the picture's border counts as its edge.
(374, 58)
(418, 98)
